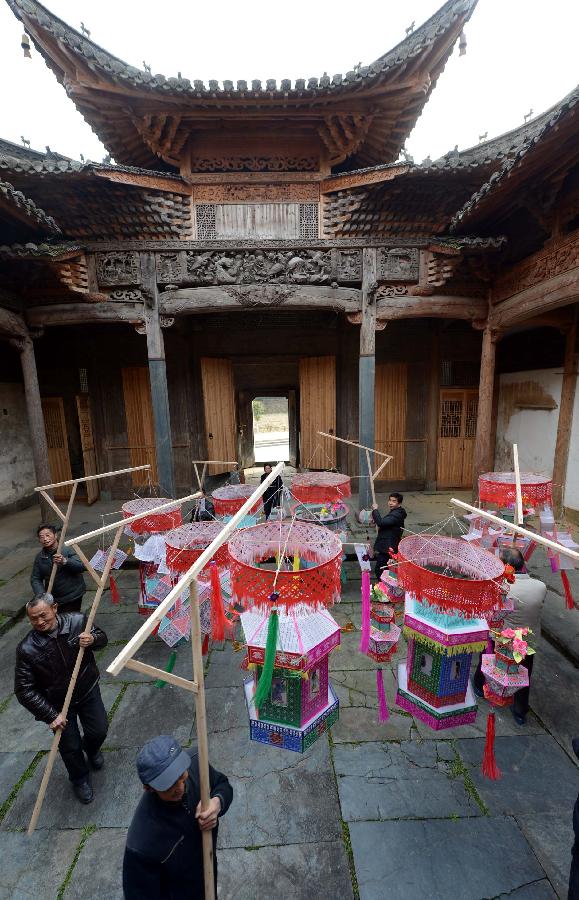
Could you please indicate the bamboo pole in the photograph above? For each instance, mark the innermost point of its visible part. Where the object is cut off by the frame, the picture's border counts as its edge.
(72, 685)
(65, 522)
(202, 742)
(47, 487)
(371, 477)
(150, 512)
(354, 444)
(149, 625)
(519, 496)
(538, 538)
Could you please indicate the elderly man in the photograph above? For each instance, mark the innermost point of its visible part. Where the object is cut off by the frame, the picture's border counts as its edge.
(163, 856)
(529, 596)
(44, 663)
(69, 586)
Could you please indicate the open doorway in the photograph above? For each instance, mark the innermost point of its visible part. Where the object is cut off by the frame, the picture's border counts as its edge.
(271, 431)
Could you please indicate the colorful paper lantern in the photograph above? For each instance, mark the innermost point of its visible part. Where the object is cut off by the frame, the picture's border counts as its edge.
(148, 533)
(503, 674)
(184, 546)
(500, 489)
(300, 704)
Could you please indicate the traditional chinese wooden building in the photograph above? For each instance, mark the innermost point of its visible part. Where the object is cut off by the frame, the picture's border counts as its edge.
(272, 238)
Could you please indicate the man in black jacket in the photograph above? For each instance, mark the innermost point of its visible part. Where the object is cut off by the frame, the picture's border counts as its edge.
(69, 585)
(390, 529)
(163, 855)
(44, 663)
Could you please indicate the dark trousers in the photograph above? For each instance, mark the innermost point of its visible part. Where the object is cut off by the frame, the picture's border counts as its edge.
(93, 719)
(268, 505)
(574, 873)
(521, 698)
(381, 564)
(73, 606)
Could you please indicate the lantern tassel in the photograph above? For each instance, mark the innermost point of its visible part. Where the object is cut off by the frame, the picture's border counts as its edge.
(160, 683)
(205, 646)
(115, 596)
(264, 683)
(382, 705)
(489, 763)
(219, 623)
(567, 588)
(365, 639)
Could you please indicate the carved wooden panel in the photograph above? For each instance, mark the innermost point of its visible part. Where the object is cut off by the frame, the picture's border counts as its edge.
(257, 193)
(258, 266)
(117, 268)
(258, 221)
(398, 264)
(539, 267)
(349, 265)
(254, 163)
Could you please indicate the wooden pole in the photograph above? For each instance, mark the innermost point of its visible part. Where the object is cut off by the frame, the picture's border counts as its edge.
(483, 451)
(202, 742)
(565, 422)
(35, 415)
(65, 707)
(355, 444)
(367, 364)
(129, 650)
(538, 538)
(433, 409)
(519, 496)
(65, 522)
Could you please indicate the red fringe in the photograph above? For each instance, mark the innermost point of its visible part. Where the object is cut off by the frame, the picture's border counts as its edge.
(567, 588)
(115, 596)
(489, 763)
(505, 493)
(383, 713)
(219, 623)
(205, 647)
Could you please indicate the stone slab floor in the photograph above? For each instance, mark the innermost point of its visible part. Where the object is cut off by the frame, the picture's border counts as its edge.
(374, 810)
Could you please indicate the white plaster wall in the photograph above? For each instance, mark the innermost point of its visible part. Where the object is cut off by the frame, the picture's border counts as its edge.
(16, 465)
(533, 430)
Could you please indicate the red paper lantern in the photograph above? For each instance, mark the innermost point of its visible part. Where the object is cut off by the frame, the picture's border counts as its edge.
(227, 500)
(310, 588)
(470, 584)
(499, 489)
(186, 544)
(320, 487)
(156, 523)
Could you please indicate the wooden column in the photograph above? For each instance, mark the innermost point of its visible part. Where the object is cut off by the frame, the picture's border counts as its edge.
(158, 377)
(484, 449)
(35, 418)
(367, 370)
(565, 422)
(433, 401)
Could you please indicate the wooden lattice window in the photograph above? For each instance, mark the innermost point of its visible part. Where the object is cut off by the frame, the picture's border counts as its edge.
(451, 418)
(471, 417)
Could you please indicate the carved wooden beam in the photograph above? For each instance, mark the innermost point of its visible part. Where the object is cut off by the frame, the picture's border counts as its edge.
(151, 182)
(558, 291)
(192, 301)
(437, 306)
(82, 313)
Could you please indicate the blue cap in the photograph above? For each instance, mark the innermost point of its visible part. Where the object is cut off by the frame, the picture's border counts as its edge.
(161, 762)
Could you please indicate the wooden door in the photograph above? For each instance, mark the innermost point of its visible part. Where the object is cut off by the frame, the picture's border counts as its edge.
(57, 441)
(456, 437)
(140, 424)
(317, 411)
(220, 414)
(87, 444)
(245, 437)
(390, 402)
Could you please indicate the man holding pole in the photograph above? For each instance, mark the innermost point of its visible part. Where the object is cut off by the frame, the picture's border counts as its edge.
(163, 856)
(68, 585)
(45, 660)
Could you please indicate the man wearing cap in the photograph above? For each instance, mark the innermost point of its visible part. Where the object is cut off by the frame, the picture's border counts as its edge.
(163, 855)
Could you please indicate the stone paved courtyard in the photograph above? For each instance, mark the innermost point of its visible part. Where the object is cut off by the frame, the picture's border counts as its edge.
(373, 810)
